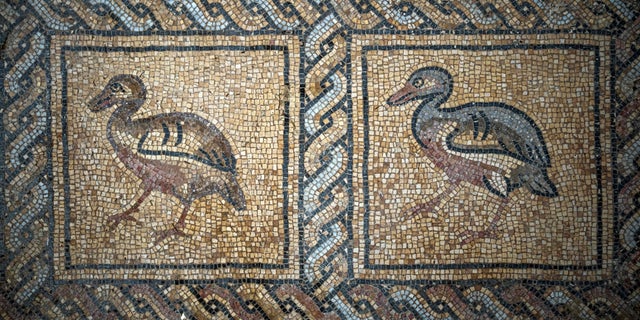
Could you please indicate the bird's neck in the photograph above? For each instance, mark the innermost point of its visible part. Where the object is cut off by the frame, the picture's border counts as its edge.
(120, 121)
(428, 110)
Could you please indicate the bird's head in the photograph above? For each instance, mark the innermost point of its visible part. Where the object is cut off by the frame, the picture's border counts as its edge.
(120, 89)
(424, 83)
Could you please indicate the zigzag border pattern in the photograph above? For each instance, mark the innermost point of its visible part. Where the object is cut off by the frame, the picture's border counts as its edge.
(324, 290)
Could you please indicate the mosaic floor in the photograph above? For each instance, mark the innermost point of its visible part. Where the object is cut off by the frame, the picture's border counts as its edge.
(362, 159)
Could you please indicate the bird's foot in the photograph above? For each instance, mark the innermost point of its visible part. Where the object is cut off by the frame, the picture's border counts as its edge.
(163, 234)
(116, 219)
(421, 209)
(469, 236)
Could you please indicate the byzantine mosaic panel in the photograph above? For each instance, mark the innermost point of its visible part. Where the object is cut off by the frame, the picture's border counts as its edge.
(560, 82)
(94, 182)
(312, 159)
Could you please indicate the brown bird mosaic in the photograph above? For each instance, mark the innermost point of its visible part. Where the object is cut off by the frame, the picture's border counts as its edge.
(488, 144)
(178, 154)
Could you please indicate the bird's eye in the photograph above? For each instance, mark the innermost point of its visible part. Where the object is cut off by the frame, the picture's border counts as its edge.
(116, 87)
(418, 82)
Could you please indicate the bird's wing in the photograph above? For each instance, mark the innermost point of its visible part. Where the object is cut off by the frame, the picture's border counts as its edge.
(183, 137)
(496, 128)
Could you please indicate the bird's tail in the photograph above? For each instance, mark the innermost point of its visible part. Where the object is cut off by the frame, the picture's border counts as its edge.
(232, 192)
(538, 182)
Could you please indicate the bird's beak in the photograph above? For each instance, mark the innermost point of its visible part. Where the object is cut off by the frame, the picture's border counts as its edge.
(101, 101)
(403, 96)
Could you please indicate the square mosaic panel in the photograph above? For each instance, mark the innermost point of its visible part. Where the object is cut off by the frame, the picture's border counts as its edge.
(243, 220)
(188, 159)
(416, 186)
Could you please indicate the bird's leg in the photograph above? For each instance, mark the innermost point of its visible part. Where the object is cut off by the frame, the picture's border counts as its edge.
(431, 205)
(183, 216)
(490, 231)
(115, 219)
(178, 228)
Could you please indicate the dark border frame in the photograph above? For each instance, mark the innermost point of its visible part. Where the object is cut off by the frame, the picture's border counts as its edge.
(597, 146)
(285, 152)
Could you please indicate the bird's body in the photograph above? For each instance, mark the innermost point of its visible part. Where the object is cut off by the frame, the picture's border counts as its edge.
(170, 151)
(178, 154)
(433, 138)
(498, 146)
(488, 144)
